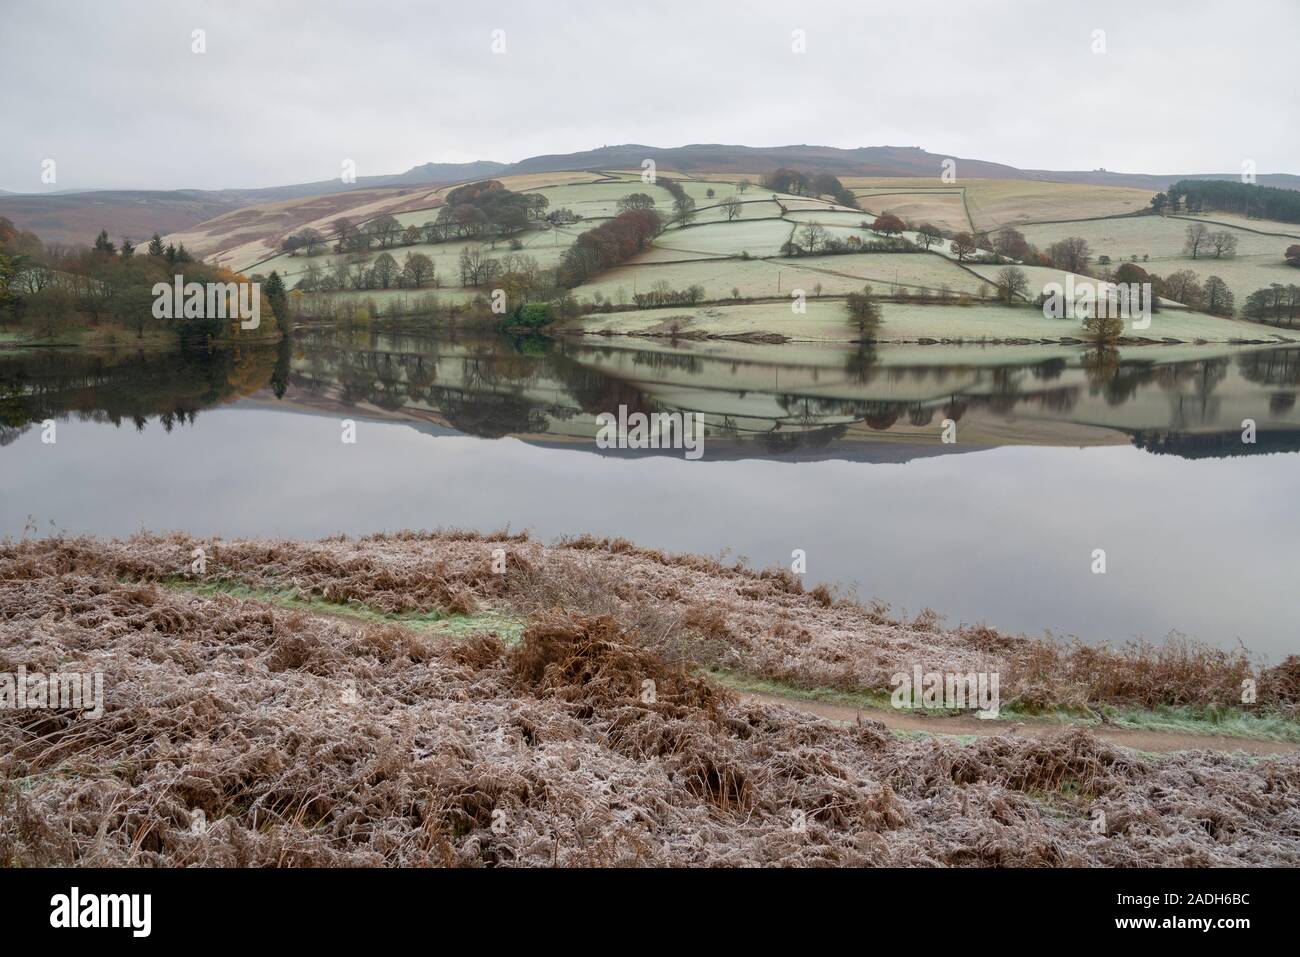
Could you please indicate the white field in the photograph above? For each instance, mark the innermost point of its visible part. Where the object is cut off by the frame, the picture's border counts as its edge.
(1258, 261)
(758, 278)
(1038, 276)
(1160, 237)
(750, 209)
(600, 200)
(829, 215)
(1289, 231)
(758, 237)
(446, 257)
(910, 272)
(754, 278)
(827, 320)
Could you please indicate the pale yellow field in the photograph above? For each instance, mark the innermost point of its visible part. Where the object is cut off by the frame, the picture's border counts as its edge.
(999, 202)
(943, 208)
(246, 236)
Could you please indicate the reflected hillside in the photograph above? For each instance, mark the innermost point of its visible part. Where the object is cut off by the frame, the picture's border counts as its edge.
(824, 400)
(886, 403)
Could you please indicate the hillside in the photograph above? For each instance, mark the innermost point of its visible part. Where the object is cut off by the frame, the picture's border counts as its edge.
(136, 214)
(75, 217)
(730, 272)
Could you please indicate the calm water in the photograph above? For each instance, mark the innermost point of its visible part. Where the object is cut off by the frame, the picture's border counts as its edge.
(832, 450)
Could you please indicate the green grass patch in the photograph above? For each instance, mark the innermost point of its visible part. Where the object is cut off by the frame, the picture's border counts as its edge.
(1225, 722)
(1229, 722)
(508, 626)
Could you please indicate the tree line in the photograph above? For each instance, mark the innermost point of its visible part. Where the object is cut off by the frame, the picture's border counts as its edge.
(485, 210)
(1248, 199)
(795, 183)
(49, 287)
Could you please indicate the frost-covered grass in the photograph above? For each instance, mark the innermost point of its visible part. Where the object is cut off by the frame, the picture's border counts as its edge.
(306, 738)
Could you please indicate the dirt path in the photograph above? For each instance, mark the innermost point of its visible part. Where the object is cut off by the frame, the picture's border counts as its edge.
(1142, 740)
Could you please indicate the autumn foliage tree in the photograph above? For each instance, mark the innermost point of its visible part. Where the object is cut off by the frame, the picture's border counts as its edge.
(887, 224)
(612, 242)
(963, 245)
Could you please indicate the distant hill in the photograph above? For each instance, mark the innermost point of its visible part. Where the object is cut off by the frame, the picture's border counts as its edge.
(75, 217)
(137, 214)
(864, 161)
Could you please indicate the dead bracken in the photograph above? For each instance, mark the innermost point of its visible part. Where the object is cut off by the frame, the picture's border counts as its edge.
(237, 731)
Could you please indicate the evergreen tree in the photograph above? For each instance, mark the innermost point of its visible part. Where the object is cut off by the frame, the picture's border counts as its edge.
(277, 297)
(156, 246)
(105, 245)
(128, 249)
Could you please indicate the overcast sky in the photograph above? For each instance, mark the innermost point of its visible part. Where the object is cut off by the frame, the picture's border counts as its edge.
(286, 91)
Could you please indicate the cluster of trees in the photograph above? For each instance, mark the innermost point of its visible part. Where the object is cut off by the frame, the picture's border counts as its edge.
(815, 239)
(803, 184)
(1275, 304)
(1212, 295)
(50, 287)
(612, 242)
(383, 272)
(484, 210)
(1248, 199)
(636, 201)
(661, 294)
(683, 205)
(1200, 240)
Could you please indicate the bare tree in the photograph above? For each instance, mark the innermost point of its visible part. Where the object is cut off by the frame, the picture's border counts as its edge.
(812, 236)
(732, 207)
(963, 245)
(1197, 238)
(1182, 286)
(1224, 243)
(927, 235)
(1011, 282)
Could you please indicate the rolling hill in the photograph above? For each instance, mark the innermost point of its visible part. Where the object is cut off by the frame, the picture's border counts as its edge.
(136, 214)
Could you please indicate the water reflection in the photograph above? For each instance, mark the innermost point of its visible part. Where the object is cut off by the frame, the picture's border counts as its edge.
(249, 445)
(817, 401)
